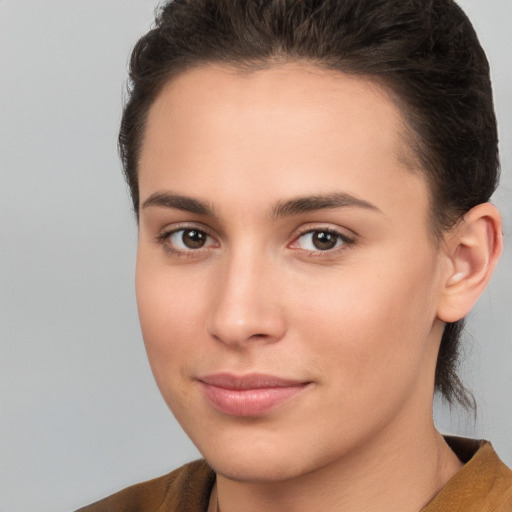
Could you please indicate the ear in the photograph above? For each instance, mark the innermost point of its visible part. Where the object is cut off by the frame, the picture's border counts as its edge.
(471, 250)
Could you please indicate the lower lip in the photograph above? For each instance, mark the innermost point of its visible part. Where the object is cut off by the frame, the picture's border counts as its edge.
(249, 402)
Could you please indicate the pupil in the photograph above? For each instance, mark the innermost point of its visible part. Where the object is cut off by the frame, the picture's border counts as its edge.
(324, 241)
(193, 239)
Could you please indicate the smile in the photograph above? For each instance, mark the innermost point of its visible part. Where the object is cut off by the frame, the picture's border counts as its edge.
(249, 395)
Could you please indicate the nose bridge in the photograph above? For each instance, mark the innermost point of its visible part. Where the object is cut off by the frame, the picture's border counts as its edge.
(246, 305)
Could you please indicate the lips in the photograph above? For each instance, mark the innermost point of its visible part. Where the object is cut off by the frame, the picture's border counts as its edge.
(248, 395)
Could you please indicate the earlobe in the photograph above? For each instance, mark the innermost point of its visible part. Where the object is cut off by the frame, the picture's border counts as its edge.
(472, 249)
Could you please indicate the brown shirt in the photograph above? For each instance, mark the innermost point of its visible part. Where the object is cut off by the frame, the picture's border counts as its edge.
(484, 484)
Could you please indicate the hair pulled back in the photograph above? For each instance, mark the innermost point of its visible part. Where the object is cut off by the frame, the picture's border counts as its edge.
(425, 52)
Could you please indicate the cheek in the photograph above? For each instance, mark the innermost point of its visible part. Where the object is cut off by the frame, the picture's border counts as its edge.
(168, 299)
(169, 311)
(370, 330)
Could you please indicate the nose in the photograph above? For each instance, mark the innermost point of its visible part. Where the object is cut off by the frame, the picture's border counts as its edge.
(246, 306)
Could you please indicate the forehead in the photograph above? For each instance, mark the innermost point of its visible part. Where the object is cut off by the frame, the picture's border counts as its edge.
(284, 93)
(296, 126)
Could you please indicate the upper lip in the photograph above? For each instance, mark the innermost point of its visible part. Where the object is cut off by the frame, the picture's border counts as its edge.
(249, 381)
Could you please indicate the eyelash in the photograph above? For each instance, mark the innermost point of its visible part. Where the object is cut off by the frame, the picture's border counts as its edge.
(164, 239)
(343, 240)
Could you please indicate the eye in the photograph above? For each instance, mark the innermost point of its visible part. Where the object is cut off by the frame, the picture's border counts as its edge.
(321, 240)
(187, 239)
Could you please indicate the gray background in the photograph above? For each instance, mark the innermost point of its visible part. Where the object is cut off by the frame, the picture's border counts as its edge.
(80, 414)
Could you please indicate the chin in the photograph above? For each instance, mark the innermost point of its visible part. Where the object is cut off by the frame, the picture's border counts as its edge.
(265, 458)
(257, 469)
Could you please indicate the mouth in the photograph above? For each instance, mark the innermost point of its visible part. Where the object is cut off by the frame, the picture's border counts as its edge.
(249, 395)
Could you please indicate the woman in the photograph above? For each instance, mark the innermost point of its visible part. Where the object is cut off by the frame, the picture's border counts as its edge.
(311, 181)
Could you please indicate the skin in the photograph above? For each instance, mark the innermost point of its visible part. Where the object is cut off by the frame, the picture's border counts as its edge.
(360, 323)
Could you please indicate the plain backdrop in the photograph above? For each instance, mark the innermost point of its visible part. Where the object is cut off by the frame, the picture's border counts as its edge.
(80, 415)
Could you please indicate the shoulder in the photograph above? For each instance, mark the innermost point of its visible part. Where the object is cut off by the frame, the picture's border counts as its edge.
(483, 483)
(185, 489)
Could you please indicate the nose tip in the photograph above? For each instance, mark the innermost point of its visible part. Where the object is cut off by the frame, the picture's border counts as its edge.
(246, 321)
(245, 310)
(238, 332)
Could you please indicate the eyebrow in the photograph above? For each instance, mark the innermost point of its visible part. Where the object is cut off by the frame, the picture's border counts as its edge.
(287, 208)
(179, 202)
(319, 202)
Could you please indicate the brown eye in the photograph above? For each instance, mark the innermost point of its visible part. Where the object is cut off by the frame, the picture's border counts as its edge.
(321, 240)
(189, 239)
(193, 239)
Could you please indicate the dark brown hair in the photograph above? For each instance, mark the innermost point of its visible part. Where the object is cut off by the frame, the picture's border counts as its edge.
(425, 52)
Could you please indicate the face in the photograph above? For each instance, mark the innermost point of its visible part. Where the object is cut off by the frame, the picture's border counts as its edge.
(287, 281)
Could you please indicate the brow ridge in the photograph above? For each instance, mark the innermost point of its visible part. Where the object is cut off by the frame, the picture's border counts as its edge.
(281, 209)
(179, 202)
(316, 202)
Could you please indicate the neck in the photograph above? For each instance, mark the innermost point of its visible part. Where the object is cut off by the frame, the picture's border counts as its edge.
(399, 476)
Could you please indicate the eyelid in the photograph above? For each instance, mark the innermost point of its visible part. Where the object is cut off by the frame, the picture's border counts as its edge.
(347, 240)
(165, 234)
